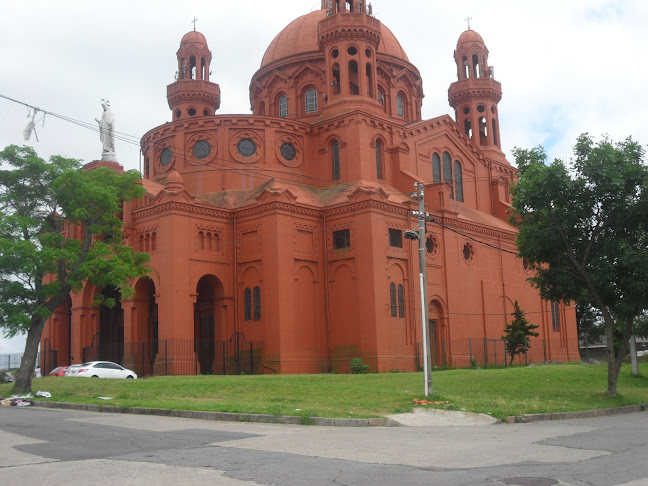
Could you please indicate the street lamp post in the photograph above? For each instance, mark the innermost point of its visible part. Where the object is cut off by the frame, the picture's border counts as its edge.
(420, 236)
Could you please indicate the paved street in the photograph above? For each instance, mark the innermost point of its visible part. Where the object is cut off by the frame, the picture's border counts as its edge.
(46, 446)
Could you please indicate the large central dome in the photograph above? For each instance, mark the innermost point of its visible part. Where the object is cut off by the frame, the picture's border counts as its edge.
(301, 37)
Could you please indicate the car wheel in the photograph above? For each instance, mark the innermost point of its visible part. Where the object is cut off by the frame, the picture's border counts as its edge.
(129, 376)
(95, 376)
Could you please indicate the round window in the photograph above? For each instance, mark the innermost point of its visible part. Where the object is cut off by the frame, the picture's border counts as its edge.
(430, 245)
(166, 156)
(481, 108)
(468, 252)
(352, 51)
(466, 110)
(246, 147)
(191, 111)
(205, 112)
(288, 151)
(201, 149)
(368, 53)
(335, 53)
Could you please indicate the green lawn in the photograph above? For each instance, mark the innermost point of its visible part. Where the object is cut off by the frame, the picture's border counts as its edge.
(499, 392)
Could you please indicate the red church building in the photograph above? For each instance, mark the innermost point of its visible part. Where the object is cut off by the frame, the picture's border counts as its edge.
(277, 238)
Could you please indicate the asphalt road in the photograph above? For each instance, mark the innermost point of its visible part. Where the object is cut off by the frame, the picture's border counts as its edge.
(61, 447)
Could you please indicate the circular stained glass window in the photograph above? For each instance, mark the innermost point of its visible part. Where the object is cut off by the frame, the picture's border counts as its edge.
(166, 156)
(246, 147)
(201, 149)
(288, 151)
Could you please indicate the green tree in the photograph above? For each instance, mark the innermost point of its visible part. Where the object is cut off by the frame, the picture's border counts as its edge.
(589, 322)
(39, 268)
(517, 333)
(584, 229)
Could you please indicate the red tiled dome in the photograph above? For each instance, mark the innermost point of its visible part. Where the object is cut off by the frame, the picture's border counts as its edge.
(301, 37)
(469, 37)
(193, 36)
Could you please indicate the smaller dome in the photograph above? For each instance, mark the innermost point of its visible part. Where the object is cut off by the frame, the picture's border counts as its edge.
(469, 37)
(193, 37)
(174, 182)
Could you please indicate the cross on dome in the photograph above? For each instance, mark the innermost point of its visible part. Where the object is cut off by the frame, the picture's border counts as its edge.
(468, 19)
(195, 19)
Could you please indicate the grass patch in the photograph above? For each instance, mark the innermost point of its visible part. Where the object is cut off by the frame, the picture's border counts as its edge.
(498, 392)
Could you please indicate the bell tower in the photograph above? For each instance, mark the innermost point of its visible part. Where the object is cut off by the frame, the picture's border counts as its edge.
(192, 94)
(476, 94)
(349, 36)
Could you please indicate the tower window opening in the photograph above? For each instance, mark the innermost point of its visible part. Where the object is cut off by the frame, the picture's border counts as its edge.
(400, 105)
(335, 156)
(369, 80)
(495, 141)
(336, 79)
(458, 177)
(436, 167)
(283, 106)
(481, 108)
(203, 68)
(483, 131)
(475, 60)
(401, 301)
(247, 304)
(447, 171)
(311, 101)
(354, 87)
(468, 127)
(381, 96)
(257, 303)
(466, 68)
(192, 67)
(395, 238)
(191, 111)
(349, 5)
(183, 68)
(379, 169)
(262, 108)
(342, 239)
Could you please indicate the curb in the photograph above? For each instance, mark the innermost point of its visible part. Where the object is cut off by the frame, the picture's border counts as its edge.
(602, 412)
(224, 416)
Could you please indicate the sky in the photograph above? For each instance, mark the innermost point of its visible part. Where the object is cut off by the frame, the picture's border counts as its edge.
(566, 67)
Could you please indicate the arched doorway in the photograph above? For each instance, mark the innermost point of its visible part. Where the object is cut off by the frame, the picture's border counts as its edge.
(111, 327)
(144, 335)
(435, 333)
(207, 325)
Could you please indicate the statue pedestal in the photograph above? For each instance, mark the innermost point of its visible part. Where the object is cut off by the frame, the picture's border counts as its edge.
(108, 157)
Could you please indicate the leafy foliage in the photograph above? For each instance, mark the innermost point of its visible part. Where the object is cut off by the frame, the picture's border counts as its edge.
(584, 229)
(517, 333)
(358, 367)
(39, 265)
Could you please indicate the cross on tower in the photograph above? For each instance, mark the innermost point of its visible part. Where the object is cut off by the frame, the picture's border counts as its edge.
(194, 22)
(468, 19)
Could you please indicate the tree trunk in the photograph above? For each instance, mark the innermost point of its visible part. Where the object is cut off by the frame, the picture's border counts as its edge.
(28, 363)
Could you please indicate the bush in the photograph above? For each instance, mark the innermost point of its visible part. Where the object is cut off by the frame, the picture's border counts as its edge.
(358, 367)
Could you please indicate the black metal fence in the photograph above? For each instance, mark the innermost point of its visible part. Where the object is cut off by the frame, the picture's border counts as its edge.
(182, 357)
(492, 353)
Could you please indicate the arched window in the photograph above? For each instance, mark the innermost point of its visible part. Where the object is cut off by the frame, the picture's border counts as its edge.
(201, 240)
(400, 105)
(354, 86)
(311, 101)
(401, 301)
(153, 241)
(336, 79)
(370, 80)
(483, 131)
(247, 304)
(475, 60)
(466, 69)
(468, 127)
(436, 167)
(335, 160)
(495, 141)
(381, 96)
(379, 168)
(392, 300)
(257, 303)
(447, 171)
(283, 106)
(458, 177)
(192, 65)
(262, 109)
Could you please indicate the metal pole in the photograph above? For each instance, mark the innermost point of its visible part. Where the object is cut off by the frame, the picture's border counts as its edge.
(427, 372)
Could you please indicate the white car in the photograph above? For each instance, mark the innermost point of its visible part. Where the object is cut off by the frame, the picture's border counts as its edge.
(101, 369)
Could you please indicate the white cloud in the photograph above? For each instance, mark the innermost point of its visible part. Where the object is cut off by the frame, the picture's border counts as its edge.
(565, 67)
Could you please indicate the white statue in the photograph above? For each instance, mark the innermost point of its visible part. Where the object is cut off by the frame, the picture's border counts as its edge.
(107, 132)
